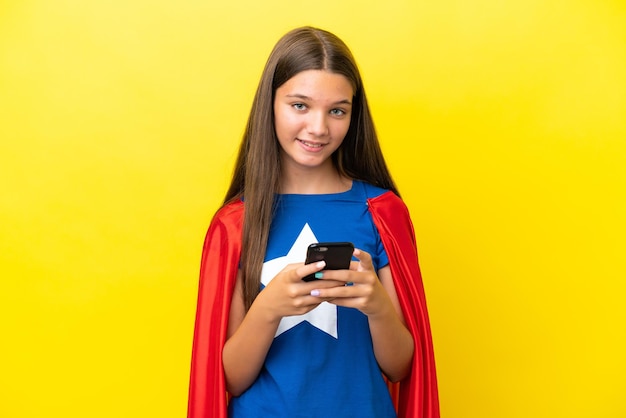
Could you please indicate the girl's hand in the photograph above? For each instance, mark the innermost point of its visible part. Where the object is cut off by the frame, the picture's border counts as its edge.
(250, 334)
(376, 297)
(361, 288)
(287, 294)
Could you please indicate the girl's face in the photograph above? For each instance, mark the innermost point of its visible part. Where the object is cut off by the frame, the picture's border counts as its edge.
(312, 116)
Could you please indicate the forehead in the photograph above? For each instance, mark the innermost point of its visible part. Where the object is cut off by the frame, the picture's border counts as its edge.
(318, 84)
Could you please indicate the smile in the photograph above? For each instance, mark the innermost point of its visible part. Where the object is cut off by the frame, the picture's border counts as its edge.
(311, 144)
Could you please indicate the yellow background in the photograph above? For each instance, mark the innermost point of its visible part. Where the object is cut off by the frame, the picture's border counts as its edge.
(503, 123)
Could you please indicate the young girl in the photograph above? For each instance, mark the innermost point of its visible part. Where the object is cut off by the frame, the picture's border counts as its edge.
(310, 169)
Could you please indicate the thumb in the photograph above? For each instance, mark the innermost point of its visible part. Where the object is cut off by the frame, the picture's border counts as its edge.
(365, 260)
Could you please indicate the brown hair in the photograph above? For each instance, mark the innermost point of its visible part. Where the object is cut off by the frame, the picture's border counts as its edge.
(257, 169)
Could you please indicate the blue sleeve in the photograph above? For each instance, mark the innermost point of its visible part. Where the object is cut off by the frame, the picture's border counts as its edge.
(380, 258)
(381, 254)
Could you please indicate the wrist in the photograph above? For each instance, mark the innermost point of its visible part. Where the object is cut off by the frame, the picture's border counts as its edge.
(383, 314)
(264, 311)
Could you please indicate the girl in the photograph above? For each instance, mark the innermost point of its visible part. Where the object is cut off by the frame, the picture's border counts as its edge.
(267, 343)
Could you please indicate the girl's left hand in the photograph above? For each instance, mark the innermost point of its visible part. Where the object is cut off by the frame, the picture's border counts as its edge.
(363, 289)
(376, 297)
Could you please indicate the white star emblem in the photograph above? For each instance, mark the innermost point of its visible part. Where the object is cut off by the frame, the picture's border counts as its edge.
(324, 317)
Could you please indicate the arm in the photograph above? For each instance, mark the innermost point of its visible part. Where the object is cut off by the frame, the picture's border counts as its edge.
(418, 396)
(250, 334)
(393, 344)
(249, 337)
(376, 297)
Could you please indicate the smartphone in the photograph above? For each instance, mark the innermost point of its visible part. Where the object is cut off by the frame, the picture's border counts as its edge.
(337, 256)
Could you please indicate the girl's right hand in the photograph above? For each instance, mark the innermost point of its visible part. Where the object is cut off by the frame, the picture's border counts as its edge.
(287, 294)
(250, 334)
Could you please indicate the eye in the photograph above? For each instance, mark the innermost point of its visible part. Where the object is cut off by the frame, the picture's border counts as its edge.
(337, 112)
(299, 106)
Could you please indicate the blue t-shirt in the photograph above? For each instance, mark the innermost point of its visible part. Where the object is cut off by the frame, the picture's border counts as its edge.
(321, 364)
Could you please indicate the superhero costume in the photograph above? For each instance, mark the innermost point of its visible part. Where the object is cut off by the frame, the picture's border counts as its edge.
(415, 396)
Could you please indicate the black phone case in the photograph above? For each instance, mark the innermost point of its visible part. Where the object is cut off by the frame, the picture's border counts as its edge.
(337, 256)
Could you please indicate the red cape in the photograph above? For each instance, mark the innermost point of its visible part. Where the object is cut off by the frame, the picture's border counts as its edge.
(414, 397)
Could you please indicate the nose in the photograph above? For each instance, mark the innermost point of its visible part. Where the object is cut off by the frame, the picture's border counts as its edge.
(317, 124)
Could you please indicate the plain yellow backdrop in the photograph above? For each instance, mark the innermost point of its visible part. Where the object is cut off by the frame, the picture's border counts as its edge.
(503, 124)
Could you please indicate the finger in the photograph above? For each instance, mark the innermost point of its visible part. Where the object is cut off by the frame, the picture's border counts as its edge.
(309, 269)
(340, 277)
(365, 260)
(337, 292)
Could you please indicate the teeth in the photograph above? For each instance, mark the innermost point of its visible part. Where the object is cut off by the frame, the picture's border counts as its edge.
(308, 144)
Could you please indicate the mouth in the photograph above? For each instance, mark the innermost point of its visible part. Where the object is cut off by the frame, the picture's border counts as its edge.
(311, 145)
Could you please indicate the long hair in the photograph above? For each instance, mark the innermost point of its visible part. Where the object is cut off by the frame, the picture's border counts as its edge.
(257, 171)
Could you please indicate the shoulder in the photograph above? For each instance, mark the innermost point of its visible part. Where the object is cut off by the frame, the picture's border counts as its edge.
(228, 218)
(229, 211)
(383, 201)
(390, 209)
(370, 190)
(388, 199)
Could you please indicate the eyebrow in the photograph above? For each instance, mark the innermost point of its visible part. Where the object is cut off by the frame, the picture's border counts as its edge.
(305, 97)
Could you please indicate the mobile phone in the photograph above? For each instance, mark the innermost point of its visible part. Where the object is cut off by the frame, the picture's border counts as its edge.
(337, 256)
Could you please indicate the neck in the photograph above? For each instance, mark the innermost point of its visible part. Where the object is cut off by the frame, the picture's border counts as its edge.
(314, 181)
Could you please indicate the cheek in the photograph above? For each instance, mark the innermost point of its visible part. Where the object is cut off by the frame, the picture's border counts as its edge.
(340, 129)
(285, 122)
